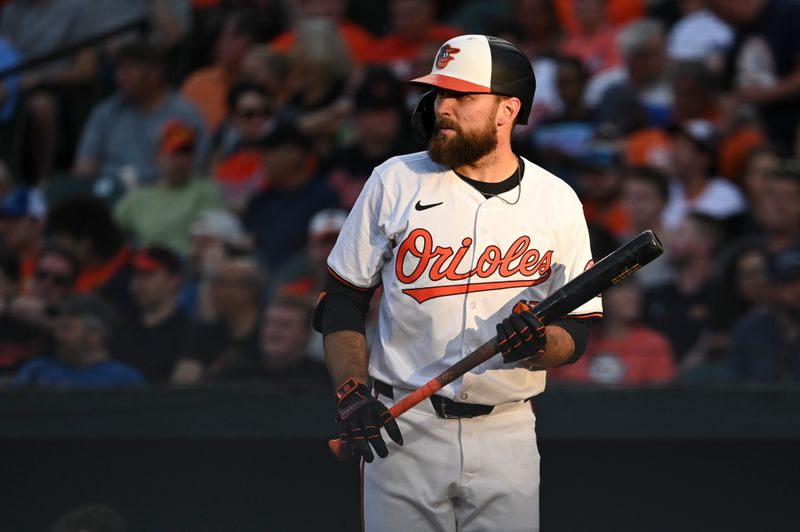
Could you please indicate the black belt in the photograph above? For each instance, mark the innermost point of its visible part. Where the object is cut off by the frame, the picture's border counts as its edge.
(445, 408)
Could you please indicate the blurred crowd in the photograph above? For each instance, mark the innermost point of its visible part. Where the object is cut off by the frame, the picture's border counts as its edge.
(169, 193)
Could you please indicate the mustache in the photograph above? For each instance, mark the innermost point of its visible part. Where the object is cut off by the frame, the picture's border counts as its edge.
(442, 123)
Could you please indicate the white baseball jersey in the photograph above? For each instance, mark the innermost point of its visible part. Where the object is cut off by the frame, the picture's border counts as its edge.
(453, 264)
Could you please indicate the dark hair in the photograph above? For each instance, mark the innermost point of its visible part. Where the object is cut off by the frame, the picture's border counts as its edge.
(572, 61)
(243, 87)
(248, 22)
(86, 217)
(91, 307)
(294, 301)
(379, 89)
(698, 72)
(727, 303)
(64, 253)
(141, 52)
(651, 176)
(164, 256)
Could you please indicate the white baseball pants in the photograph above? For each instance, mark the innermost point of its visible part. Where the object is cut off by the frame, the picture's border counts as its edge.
(466, 475)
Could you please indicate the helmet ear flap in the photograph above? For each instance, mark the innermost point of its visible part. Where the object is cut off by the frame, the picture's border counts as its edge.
(423, 118)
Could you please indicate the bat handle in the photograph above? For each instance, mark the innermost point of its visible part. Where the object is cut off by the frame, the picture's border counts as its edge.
(341, 449)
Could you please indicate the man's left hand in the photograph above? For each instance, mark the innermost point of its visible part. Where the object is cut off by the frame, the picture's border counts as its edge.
(521, 336)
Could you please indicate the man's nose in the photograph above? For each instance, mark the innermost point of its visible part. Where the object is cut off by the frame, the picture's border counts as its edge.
(443, 105)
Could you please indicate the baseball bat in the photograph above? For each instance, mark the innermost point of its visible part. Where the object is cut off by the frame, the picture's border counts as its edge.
(612, 269)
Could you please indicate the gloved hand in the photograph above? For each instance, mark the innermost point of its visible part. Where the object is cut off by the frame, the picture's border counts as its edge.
(521, 335)
(361, 417)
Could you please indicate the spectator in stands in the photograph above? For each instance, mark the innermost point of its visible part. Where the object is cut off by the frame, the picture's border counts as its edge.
(358, 41)
(541, 28)
(594, 42)
(305, 275)
(742, 286)
(757, 166)
(645, 192)
(321, 71)
(247, 119)
(90, 518)
(215, 235)
(638, 92)
(695, 189)
(617, 12)
(84, 226)
(620, 350)
(22, 212)
(120, 140)
(19, 341)
(270, 69)
(229, 347)
(208, 87)
(765, 343)
(600, 184)
(284, 340)
(52, 90)
(82, 331)
(695, 92)
(152, 339)
(763, 66)
(563, 137)
(161, 213)
(777, 214)
(278, 216)
(239, 165)
(53, 281)
(680, 308)
(381, 130)
(699, 35)
(414, 25)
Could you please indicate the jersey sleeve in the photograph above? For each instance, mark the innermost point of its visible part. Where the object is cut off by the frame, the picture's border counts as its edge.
(577, 258)
(363, 245)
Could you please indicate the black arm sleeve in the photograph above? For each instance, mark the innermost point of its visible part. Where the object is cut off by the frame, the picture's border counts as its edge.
(578, 329)
(342, 306)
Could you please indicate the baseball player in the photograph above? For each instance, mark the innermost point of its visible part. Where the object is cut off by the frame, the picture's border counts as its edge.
(463, 239)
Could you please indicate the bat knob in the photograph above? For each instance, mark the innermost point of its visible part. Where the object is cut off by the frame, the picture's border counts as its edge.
(340, 449)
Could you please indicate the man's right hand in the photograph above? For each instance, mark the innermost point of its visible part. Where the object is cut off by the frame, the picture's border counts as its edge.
(361, 417)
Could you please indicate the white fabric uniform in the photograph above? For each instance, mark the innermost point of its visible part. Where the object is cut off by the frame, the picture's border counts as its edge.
(453, 264)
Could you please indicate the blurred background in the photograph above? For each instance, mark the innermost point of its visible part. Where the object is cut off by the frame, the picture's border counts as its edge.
(174, 173)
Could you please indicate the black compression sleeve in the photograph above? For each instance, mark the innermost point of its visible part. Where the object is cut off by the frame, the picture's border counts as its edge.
(342, 307)
(578, 329)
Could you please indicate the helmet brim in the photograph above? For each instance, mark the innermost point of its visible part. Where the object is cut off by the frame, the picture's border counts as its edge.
(450, 83)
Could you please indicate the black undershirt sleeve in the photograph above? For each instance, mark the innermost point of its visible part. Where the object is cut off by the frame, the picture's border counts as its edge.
(342, 307)
(578, 329)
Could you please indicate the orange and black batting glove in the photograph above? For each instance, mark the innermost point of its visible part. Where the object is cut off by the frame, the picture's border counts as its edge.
(361, 417)
(521, 336)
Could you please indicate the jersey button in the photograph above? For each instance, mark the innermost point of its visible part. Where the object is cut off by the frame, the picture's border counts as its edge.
(464, 396)
(483, 230)
(473, 305)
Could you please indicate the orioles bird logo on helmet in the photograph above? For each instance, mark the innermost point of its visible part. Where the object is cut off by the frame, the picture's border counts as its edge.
(446, 54)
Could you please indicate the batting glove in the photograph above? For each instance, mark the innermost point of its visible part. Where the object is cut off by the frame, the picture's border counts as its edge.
(521, 335)
(361, 417)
